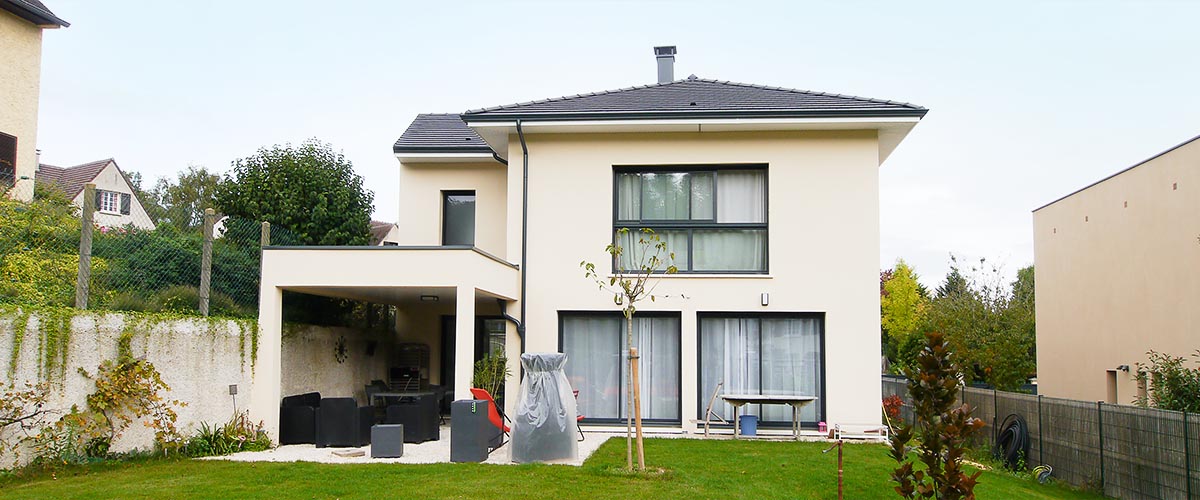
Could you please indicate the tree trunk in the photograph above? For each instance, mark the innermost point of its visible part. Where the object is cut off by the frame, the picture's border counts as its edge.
(628, 392)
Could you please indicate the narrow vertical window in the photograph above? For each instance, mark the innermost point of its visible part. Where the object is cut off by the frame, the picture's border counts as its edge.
(458, 218)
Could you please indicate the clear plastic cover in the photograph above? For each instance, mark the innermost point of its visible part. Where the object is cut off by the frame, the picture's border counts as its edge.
(544, 428)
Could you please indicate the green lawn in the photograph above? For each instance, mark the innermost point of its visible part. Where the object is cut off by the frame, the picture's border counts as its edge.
(696, 469)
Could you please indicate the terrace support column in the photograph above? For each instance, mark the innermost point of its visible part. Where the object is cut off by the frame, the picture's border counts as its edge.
(464, 341)
(267, 368)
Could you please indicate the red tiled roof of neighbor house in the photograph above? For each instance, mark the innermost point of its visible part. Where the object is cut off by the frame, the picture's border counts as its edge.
(70, 180)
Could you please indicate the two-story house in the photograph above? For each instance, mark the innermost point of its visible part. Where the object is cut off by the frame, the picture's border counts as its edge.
(21, 25)
(768, 197)
(117, 203)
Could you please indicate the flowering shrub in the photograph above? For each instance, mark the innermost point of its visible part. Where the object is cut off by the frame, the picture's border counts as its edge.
(891, 406)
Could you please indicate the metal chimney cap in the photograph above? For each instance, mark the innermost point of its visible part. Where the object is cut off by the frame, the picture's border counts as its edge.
(664, 50)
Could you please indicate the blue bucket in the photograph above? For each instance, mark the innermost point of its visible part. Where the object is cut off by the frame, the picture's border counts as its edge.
(748, 424)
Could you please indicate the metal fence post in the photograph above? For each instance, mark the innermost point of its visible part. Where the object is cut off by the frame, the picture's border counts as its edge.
(206, 260)
(1041, 442)
(85, 246)
(1187, 455)
(995, 415)
(265, 237)
(1100, 423)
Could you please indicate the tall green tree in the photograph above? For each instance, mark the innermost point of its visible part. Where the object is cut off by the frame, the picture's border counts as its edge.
(903, 305)
(991, 330)
(183, 200)
(309, 189)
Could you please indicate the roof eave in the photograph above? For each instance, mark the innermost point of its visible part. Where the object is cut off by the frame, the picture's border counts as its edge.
(41, 19)
(501, 116)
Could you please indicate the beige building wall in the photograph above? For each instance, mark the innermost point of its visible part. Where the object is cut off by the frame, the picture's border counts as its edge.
(823, 215)
(1117, 274)
(421, 187)
(21, 51)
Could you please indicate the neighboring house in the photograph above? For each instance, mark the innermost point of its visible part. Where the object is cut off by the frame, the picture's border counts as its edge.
(1118, 274)
(384, 234)
(117, 204)
(21, 25)
(768, 196)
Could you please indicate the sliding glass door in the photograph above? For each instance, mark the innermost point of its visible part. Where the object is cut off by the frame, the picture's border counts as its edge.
(596, 349)
(762, 354)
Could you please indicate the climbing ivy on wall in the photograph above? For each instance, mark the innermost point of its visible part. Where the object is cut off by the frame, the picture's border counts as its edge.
(51, 328)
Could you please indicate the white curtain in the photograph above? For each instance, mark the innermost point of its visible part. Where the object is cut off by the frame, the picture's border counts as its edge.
(702, 196)
(629, 197)
(665, 196)
(741, 196)
(657, 340)
(791, 364)
(779, 356)
(594, 365)
(729, 250)
(633, 249)
(595, 345)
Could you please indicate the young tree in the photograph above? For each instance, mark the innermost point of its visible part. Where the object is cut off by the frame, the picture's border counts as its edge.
(941, 428)
(638, 264)
(902, 306)
(309, 189)
(1172, 385)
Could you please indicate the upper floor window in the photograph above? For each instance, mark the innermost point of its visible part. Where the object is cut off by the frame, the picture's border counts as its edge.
(458, 218)
(113, 202)
(714, 219)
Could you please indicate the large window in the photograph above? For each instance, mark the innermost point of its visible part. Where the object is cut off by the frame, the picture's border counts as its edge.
(714, 220)
(778, 354)
(108, 201)
(458, 218)
(596, 351)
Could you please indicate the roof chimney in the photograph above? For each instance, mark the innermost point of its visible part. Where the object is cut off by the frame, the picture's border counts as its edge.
(666, 63)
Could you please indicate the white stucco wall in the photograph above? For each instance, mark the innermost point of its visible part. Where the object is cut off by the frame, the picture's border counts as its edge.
(21, 51)
(823, 214)
(198, 359)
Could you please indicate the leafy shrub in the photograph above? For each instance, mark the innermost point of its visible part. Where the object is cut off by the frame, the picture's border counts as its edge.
(129, 301)
(186, 300)
(238, 434)
(1172, 386)
(38, 276)
(490, 374)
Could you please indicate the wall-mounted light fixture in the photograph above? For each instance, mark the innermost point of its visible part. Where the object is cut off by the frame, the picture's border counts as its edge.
(1124, 368)
(429, 298)
(766, 299)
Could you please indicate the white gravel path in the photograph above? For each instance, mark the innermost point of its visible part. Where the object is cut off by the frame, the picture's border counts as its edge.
(429, 452)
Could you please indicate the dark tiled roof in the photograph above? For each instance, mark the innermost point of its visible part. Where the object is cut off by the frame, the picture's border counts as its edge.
(439, 133)
(70, 179)
(698, 97)
(380, 230)
(33, 11)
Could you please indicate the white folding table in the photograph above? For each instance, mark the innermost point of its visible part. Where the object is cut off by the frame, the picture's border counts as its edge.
(796, 402)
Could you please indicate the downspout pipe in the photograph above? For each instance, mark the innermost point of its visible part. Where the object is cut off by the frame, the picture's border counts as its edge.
(524, 230)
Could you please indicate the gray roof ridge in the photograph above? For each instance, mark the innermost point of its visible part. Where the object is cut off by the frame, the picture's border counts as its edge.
(693, 78)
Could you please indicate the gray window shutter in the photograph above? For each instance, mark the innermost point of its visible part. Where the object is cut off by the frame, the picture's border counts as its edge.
(99, 198)
(125, 200)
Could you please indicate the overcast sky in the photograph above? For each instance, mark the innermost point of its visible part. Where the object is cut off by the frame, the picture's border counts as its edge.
(1027, 103)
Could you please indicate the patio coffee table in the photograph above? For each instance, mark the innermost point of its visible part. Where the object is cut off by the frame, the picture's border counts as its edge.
(796, 402)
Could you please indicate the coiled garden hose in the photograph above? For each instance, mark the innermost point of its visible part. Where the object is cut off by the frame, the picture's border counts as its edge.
(1012, 443)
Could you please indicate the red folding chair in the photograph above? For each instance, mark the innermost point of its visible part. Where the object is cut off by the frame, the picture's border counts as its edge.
(578, 418)
(495, 414)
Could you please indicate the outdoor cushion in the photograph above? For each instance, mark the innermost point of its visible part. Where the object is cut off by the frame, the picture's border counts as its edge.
(298, 419)
(342, 423)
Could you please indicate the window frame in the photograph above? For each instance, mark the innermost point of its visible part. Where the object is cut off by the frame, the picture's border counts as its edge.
(9, 180)
(446, 194)
(692, 225)
(701, 403)
(650, 422)
(116, 199)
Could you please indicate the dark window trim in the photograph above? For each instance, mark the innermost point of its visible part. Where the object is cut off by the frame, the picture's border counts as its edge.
(10, 181)
(660, 422)
(701, 403)
(691, 225)
(458, 192)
